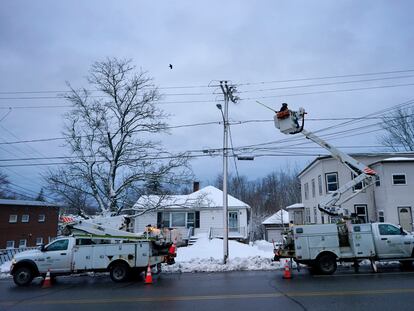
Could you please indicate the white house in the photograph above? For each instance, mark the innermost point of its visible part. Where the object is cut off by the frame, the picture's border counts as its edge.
(390, 199)
(274, 226)
(199, 213)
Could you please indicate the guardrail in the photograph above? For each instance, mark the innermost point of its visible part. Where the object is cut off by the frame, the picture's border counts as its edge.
(7, 254)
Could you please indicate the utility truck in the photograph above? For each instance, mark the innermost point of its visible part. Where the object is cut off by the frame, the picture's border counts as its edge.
(89, 247)
(321, 246)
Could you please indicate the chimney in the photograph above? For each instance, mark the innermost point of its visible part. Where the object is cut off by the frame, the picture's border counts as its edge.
(196, 186)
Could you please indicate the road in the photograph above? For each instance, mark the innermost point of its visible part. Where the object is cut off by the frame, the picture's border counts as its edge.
(249, 290)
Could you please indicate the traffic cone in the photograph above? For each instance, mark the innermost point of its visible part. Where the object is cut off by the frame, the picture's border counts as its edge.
(148, 276)
(286, 272)
(47, 281)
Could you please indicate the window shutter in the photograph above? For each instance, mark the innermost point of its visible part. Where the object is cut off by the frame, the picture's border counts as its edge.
(197, 219)
(159, 219)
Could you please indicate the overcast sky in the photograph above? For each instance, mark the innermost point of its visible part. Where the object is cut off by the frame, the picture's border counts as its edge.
(43, 44)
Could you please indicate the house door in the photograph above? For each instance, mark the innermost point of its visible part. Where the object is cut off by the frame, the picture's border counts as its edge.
(298, 218)
(233, 222)
(406, 218)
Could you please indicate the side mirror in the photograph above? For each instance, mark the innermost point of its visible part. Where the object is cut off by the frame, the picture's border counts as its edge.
(42, 248)
(402, 232)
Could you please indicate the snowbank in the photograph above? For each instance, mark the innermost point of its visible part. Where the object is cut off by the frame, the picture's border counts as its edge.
(5, 269)
(207, 256)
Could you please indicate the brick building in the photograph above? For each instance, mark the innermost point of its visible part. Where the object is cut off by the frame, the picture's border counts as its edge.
(27, 223)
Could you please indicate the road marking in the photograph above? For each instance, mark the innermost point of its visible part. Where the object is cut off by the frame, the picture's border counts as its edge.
(213, 297)
(362, 274)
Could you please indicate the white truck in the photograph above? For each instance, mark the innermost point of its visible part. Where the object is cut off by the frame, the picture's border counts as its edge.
(119, 252)
(322, 246)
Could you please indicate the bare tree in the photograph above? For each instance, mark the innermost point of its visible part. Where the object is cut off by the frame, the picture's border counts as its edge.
(110, 137)
(4, 186)
(399, 127)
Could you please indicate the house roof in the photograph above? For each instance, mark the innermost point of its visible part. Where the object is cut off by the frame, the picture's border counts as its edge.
(27, 203)
(207, 197)
(394, 160)
(278, 218)
(358, 155)
(296, 205)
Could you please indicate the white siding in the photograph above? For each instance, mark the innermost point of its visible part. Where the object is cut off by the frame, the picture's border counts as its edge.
(144, 220)
(386, 197)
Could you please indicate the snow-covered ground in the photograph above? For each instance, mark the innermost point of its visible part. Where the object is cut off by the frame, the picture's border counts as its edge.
(4, 270)
(207, 256)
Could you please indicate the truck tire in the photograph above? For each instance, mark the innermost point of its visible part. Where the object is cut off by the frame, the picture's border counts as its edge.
(326, 264)
(23, 276)
(119, 272)
(406, 264)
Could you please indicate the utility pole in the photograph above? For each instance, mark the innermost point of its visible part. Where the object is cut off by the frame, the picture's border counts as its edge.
(228, 91)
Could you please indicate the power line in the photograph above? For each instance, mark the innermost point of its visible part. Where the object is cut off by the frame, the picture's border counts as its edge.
(330, 91)
(326, 84)
(328, 77)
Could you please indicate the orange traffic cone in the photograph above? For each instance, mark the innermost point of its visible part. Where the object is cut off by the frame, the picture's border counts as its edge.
(148, 276)
(286, 272)
(47, 282)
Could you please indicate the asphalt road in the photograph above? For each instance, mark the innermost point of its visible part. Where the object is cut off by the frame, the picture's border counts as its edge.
(391, 289)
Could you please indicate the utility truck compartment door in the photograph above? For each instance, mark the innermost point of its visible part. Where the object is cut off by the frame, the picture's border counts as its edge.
(361, 240)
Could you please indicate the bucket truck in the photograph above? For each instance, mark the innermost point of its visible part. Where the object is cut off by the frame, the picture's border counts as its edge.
(321, 246)
(89, 247)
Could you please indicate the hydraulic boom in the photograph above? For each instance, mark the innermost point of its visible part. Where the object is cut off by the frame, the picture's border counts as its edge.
(292, 122)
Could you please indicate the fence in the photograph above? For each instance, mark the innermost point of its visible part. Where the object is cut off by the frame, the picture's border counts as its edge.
(7, 254)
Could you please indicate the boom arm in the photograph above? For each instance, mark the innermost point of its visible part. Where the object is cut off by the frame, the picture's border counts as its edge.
(288, 123)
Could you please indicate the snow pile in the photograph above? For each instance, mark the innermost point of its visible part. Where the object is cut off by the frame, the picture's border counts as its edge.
(5, 269)
(207, 256)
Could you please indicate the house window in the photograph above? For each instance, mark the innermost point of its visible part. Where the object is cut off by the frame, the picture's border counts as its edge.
(358, 186)
(22, 243)
(313, 188)
(306, 191)
(308, 215)
(381, 216)
(361, 213)
(331, 182)
(39, 241)
(315, 215)
(398, 179)
(190, 220)
(377, 181)
(320, 184)
(25, 218)
(178, 219)
(41, 218)
(10, 244)
(12, 219)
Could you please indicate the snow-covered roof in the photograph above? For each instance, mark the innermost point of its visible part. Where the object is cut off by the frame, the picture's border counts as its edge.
(397, 159)
(27, 203)
(296, 205)
(207, 197)
(278, 218)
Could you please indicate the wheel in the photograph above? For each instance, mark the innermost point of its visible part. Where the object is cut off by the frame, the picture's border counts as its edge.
(406, 264)
(119, 272)
(23, 276)
(326, 264)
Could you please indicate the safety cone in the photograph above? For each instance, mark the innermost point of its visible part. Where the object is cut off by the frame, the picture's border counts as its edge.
(47, 281)
(148, 276)
(286, 272)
